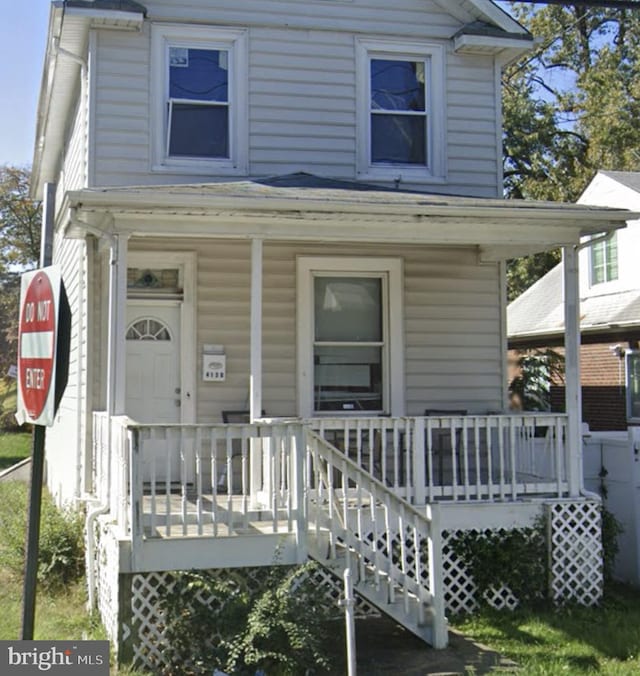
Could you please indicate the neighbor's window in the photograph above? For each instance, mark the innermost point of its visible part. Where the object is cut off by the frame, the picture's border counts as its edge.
(401, 110)
(604, 260)
(633, 384)
(200, 85)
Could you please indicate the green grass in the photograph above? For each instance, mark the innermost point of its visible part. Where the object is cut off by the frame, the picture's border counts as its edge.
(14, 447)
(572, 641)
(8, 395)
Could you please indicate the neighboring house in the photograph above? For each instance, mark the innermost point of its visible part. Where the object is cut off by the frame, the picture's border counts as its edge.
(292, 208)
(609, 311)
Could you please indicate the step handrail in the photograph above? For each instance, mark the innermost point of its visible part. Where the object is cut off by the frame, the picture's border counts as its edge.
(403, 526)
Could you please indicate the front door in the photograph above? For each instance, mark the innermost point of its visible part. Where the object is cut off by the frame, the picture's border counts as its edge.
(153, 388)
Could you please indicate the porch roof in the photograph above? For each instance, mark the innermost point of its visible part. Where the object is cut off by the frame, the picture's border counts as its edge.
(302, 206)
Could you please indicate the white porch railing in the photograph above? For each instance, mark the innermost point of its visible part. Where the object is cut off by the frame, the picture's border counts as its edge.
(199, 480)
(489, 457)
(212, 480)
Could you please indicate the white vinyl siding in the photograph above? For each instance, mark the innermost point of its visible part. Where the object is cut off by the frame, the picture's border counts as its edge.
(67, 438)
(451, 324)
(73, 162)
(302, 90)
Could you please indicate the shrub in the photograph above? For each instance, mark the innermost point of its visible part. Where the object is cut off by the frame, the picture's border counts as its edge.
(211, 621)
(61, 547)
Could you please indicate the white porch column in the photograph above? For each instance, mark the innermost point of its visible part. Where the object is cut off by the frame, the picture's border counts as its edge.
(255, 379)
(573, 394)
(117, 367)
(258, 446)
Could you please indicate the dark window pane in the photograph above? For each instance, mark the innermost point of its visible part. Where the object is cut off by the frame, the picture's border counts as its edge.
(398, 139)
(397, 85)
(348, 309)
(198, 74)
(348, 378)
(199, 131)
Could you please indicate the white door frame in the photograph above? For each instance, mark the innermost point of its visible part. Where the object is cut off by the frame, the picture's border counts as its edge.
(186, 262)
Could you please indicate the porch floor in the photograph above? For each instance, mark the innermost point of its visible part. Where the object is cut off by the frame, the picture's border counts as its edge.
(172, 515)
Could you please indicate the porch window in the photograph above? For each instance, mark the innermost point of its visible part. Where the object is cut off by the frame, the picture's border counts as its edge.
(349, 336)
(349, 343)
(200, 99)
(400, 111)
(604, 260)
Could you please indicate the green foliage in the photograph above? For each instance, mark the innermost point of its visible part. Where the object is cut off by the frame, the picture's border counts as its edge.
(61, 551)
(516, 558)
(611, 528)
(281, 628)
(572, 107)
(534, 372)
(525, 271)
(19, 251)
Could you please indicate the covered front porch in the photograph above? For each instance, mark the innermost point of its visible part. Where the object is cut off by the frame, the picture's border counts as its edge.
(262, 479)
(363, 336)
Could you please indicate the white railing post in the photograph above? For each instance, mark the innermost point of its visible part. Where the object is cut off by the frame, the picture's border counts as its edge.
(419, 474)
(298, 488)
(436, 578)
(135, 495)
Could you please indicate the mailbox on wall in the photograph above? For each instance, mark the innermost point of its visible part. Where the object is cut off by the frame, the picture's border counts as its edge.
(214, 363)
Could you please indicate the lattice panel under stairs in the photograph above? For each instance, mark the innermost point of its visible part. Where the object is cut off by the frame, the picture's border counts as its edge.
(460, 590)
(576, 552)
(147, 588)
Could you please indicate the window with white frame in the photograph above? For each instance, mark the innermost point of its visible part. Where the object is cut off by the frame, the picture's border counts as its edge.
(633, 384)
(400, 110)
(199, 99)
(604, 260)
(349, 336)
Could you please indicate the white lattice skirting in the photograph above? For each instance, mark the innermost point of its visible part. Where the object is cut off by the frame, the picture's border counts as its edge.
(574, 551)
(575, 532)
(575, 554)
(147, 622)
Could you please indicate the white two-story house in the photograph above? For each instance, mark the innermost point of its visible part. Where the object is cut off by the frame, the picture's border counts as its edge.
(280, 228)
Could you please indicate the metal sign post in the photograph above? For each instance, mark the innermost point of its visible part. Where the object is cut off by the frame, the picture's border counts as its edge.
(43, 360)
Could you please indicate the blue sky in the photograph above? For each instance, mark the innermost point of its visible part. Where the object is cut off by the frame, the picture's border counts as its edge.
(23, 30)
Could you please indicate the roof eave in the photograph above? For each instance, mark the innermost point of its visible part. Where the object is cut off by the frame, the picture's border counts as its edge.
(54, 95)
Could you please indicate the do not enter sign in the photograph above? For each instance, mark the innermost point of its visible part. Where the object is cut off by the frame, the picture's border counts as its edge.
(39, 345)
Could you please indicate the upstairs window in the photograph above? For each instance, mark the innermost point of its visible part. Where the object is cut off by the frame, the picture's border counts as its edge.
(604, 260)
(399, 120)
(198, 103)
(401, 111)
(199, 106)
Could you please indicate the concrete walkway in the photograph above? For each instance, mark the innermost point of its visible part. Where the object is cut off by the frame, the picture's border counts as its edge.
(385, 649)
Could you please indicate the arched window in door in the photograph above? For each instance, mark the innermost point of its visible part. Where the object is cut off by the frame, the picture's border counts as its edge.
(148, 328)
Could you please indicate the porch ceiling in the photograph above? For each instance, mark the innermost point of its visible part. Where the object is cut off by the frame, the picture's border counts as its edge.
(302, 207)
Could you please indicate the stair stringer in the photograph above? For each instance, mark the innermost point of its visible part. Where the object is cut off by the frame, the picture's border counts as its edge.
(388, 568)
